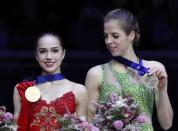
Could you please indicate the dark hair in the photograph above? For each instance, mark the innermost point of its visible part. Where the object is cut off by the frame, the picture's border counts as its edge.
(127, 21)
(52, 34)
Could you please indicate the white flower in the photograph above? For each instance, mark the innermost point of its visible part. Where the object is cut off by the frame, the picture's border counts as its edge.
(120, 102)
(83, 118)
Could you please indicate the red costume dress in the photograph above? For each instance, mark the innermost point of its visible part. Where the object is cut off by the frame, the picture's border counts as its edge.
(40, 115)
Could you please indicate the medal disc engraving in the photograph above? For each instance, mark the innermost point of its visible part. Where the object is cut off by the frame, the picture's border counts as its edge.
(150, 81)
(32, 94)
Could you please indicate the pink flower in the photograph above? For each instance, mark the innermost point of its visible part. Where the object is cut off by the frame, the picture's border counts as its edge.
(128, 113)
(93, 128)
(83, 124)
(118, 125)
(141, 118)
(7, 117)
(66, 116)
(113, 98)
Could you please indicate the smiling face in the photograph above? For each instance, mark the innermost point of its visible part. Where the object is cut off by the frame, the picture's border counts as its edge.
(116, 39)
(49, 54)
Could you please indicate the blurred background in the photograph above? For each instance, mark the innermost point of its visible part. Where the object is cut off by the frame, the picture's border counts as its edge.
(80, 23)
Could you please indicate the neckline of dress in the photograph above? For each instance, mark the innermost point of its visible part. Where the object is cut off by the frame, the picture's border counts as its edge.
(57, 98)
(120, 73)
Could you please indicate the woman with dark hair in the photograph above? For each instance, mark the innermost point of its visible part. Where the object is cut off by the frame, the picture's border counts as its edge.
(146, 81)
(38, 104)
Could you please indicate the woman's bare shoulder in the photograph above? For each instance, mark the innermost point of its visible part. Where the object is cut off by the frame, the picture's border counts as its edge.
(79, 90)
(78, 86)
(95, 71)
(153, 63)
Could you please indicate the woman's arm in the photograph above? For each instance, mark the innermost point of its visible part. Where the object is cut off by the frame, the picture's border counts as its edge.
(17, 104)
(93, 80)
(164, 108)
(81, 100)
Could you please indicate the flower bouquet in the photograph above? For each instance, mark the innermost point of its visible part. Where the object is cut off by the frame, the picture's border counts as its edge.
(6, 120)
(118, 113)
(71, 122)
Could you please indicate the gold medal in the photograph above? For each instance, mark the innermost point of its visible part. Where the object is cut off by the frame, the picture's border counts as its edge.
(150, 81)
(32, 94)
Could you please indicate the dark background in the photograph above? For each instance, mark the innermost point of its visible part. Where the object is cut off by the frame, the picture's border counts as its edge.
(80, 23)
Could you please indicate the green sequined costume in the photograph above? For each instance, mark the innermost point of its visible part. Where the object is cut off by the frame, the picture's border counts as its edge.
(128, 84)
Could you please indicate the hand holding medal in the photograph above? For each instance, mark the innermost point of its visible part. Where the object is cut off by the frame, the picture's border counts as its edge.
(150, 81)
(161, 75)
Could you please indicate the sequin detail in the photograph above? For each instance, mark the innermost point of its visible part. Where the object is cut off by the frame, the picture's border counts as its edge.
(127, 84)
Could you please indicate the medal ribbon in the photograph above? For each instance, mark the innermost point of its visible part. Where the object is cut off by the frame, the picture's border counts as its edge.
(51, 77)
(139, 67)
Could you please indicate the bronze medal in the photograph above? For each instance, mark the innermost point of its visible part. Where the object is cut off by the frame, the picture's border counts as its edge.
(150, 81)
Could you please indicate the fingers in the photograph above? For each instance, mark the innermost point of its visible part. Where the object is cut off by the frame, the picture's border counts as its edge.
(152, 71)
(159, 73)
